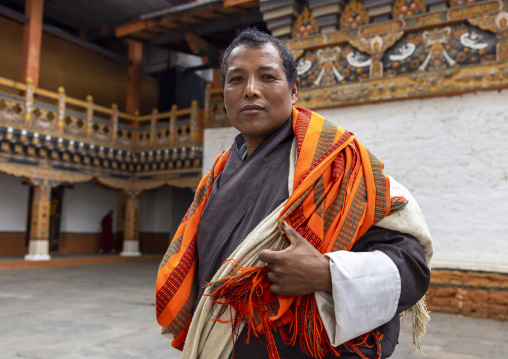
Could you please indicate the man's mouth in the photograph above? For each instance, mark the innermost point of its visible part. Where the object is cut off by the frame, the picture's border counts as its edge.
(252, 109)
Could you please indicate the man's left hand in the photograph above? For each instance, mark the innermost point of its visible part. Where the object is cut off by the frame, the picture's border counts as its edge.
(299, 269)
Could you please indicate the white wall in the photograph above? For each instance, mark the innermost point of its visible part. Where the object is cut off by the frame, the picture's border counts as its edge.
(13, 204)
(84, 206)
(451, 152)
(155, 210)
(162, 209)
(216, 140)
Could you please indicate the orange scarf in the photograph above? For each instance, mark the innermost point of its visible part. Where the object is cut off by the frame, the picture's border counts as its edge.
(339, 192)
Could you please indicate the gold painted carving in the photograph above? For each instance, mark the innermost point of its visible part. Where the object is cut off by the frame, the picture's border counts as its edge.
(419, 84)
(354, 15)
(381, 28)
(305, 25)
(465, 12)
(297, 54)
(435, 18)
(311, 41)
(401, 9)
(377, 44)
(493, 23)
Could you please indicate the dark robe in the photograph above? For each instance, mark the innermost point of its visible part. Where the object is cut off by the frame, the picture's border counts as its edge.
(107, 242)
(248, 191)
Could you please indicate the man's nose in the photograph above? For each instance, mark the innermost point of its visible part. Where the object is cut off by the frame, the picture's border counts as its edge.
(252, 88)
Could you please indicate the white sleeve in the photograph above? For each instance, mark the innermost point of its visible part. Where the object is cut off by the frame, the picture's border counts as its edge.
(365, 293)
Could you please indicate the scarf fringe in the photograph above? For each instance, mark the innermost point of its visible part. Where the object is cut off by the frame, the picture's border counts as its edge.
(398, 203)
(420, 318)
(247, 291)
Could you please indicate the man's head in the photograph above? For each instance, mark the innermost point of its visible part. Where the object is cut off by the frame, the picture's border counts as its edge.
(256, 38)
(258, 92)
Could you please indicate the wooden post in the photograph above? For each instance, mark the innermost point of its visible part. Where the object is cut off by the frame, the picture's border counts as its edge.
(32, 36)
(135, 132)
(134, 76)
(131, 231)
(29, 102)
(153, 126)
(194, 122)
(114, 121)
(172, 124)
(89, 116)
(61, 110)
(38, 248)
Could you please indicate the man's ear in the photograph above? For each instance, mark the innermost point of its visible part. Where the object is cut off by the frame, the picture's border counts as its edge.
(295, 91)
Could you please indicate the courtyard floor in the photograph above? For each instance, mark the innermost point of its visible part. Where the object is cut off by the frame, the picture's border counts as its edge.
(106, 311)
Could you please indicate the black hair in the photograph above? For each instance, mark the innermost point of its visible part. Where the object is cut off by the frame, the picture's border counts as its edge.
(252, 37)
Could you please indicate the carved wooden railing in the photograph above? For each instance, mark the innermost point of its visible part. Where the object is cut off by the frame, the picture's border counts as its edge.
(44, 125)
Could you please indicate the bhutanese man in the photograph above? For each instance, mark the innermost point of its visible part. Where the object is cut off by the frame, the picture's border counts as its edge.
(296, 244)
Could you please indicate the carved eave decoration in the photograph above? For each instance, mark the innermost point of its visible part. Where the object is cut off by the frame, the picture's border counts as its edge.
(354, 15)
(457, 50)
(39, 176)
(305, 25)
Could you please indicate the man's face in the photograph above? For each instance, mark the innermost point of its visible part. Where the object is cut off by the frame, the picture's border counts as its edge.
(257, 96)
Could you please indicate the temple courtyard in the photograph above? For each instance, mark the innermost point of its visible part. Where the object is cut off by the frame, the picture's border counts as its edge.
(101, 310)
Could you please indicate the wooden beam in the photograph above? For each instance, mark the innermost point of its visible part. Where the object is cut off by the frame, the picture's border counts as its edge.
(213, 26)
(228, 3)
(134, 77)
(32, 37)
(14, 15)
(134, 27)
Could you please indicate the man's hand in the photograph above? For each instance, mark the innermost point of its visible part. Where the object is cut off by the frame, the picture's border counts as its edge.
(297, 270)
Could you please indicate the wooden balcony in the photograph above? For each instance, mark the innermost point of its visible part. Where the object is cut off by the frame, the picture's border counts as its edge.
(49, 129)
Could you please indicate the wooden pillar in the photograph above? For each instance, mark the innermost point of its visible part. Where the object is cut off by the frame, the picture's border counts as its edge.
(131, 232)
(134, 76)
(38, 247)
(32, 36)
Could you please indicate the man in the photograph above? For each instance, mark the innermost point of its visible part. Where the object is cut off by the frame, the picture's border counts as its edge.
(279, 243)
(107, 244)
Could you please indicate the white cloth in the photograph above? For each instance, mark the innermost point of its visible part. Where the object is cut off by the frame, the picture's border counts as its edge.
(365, 294)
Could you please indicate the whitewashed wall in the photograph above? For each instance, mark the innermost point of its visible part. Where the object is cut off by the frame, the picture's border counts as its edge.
(451, 152)
(13, 204)
(84, 206)
(162, 209)
(216, 140)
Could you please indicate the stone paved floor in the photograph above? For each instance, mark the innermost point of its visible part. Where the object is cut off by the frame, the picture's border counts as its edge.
(106, 311)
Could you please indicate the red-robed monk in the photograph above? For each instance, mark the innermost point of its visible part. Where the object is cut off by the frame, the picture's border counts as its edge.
(297, 245)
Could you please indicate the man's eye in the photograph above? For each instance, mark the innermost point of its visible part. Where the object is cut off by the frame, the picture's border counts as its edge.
(268, 77)
(235, 79)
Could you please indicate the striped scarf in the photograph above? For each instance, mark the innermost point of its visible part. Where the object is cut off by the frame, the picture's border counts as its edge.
(339, 192)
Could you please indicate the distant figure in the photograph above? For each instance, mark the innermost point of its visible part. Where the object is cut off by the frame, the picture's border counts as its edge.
(107, 243)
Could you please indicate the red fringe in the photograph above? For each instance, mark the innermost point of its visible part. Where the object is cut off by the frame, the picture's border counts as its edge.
(247, 292)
